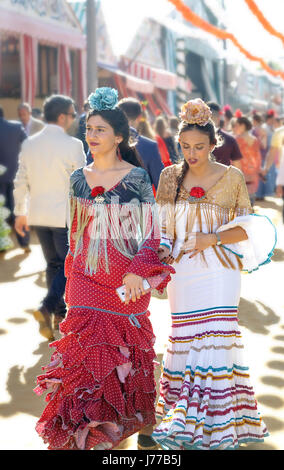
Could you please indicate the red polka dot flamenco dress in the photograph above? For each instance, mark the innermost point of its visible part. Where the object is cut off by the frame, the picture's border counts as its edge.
(100, 380)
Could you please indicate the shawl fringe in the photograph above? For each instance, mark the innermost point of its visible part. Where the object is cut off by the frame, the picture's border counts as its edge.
(126, 226)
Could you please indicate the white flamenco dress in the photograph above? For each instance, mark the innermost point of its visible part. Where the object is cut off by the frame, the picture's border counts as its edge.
(206, 398)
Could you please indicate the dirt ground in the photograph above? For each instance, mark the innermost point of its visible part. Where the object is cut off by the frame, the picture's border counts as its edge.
(23, 351)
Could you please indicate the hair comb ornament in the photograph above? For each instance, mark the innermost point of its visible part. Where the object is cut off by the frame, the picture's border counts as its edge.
(271, 112)
(195, 112)
(238, 113)
(227, 107)
(103, 98)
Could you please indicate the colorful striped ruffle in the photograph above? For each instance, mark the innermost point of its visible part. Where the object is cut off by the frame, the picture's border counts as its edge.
(206, 399)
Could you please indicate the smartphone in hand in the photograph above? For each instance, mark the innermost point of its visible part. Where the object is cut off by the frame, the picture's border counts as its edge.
(121, 290)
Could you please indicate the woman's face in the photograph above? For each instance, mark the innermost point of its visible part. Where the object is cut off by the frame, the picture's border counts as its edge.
(196, 147)
(239, 129)
(100, 136)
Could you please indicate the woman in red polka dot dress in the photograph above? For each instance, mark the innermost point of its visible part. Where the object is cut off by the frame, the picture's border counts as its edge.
(101, 375)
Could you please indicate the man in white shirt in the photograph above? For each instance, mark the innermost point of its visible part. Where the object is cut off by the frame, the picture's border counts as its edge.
(41, 197)
(30, 124)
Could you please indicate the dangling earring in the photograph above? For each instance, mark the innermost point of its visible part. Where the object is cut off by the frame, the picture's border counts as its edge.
(118, 153)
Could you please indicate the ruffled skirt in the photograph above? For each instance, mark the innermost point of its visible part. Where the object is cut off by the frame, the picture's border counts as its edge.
(206, 398)
(100, 378)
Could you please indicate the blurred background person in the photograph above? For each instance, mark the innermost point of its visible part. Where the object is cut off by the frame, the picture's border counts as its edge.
(147, 148)
(30, 124)
(73, 129)
(267, 185)
(12, 134)
(269, 123)
(163, 128)
(5, 241)
(162, 134)
(233, 125)
(81, 133)
(144, 127)
(174, 123)
(280, 175)
(228, 153)
(274, 158)
(277, 123)
(260, 133)
(250, 149)
(37, 113)
(167, 146)
(46, 162)
(227, 116)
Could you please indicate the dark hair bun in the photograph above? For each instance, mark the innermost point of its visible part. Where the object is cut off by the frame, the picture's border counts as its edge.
(246, 122)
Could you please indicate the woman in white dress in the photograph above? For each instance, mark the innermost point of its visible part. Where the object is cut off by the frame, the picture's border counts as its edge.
(209, 234)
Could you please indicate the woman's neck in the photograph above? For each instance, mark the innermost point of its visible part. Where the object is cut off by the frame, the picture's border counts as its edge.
(105, 162)
(202, 171)
(244, 135)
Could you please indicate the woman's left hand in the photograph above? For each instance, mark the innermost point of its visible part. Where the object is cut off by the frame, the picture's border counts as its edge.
(198, 242)
(133, 287)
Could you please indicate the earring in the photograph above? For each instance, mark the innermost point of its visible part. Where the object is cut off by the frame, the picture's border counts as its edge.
(118, 153)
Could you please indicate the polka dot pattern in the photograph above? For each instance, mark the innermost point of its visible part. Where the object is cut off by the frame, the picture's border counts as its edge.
(100, 380)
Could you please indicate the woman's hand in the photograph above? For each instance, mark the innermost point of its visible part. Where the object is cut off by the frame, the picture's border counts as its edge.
(198, 242)
(279, 191)
(164, 254)
(133, 287)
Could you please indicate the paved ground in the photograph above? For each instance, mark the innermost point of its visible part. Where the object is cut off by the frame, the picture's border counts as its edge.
(23, 351)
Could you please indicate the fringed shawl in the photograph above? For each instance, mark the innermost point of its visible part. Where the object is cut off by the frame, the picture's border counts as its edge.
(225, 200)
(125, 219)
(126, 226)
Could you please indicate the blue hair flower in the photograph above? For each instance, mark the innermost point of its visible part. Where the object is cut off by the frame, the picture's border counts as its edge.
(103, 98)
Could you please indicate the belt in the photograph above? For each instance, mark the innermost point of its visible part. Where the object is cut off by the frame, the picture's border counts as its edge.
(132, 318)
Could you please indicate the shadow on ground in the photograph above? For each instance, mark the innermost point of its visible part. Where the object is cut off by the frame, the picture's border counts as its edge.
(273, 381)
(10, 267)
(270, 203)
(256, 316)
(20, 385)
(278, 255)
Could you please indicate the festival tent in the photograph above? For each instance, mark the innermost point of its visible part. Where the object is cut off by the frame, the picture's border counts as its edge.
(146, 78)
(42, 50)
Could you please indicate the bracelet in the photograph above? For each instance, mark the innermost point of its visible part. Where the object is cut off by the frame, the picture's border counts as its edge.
(167, 246)
(219, 242)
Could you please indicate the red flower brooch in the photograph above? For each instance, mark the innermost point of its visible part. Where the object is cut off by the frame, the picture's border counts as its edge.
(196, 194)
(97, 191)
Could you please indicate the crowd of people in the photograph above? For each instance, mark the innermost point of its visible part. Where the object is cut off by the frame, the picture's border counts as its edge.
(252, 142)
(90, 188)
